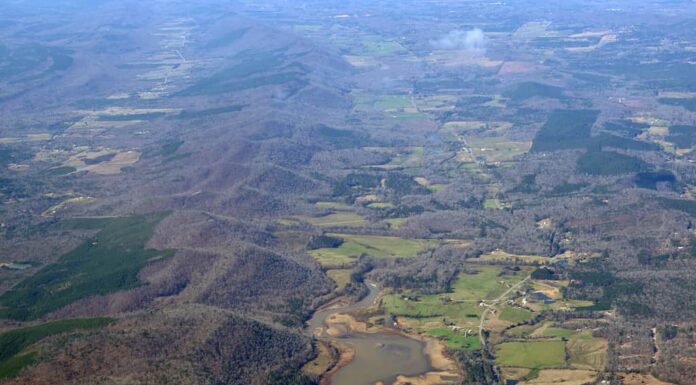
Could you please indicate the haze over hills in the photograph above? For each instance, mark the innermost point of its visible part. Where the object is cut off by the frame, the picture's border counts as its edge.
(314, 192)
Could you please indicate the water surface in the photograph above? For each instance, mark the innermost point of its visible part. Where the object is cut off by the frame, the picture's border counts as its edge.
(378, 356)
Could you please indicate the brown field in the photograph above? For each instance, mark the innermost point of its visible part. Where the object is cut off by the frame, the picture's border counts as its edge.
(360, 61)
(513, 373)
(367, 198)
(108, 167)
(551, 289)
(641, 379)
(114, 166)
(563, 377)
(517, 67)
(587, 353)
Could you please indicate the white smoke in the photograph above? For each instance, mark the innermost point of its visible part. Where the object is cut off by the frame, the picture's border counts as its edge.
(473, 41)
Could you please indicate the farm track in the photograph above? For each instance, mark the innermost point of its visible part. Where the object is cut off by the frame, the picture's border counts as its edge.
(495, 302)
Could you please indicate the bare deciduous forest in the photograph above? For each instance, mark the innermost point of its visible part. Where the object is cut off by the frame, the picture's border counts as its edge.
(330, 193)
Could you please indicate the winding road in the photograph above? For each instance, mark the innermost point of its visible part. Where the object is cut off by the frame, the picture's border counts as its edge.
(495, 302)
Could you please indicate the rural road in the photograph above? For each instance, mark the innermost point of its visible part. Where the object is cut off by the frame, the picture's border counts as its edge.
(495, 302)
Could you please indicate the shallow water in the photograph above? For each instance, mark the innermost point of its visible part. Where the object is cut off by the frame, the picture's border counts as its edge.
(378, 356)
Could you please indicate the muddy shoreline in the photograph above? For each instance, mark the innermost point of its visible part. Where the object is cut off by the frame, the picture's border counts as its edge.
(338, 327)
(346, 355)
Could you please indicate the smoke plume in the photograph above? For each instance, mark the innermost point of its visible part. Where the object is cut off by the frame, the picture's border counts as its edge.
(473, 41)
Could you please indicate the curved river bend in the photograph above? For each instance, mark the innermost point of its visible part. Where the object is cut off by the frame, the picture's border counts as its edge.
(380, 356)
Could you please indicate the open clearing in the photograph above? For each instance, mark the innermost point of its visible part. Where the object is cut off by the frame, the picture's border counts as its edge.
(584, 351)
(55, 208)
(533, 355)
(497, 149)
(360, 61)
(395, 223)
(427, 311)
(340, 276)
(434, 187)
(372, 245)
(464, 126)
(402, 158)
(338, 206)
(115, 118)
(493, 203)
(380, 205)
(503, 256)
(451, 59)
(453, 317)
(336, 220)
(515, 314)
(367, 102)
(487, 284)
(456, 339)
(28, 138)
(103, 162)
(435, 103)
